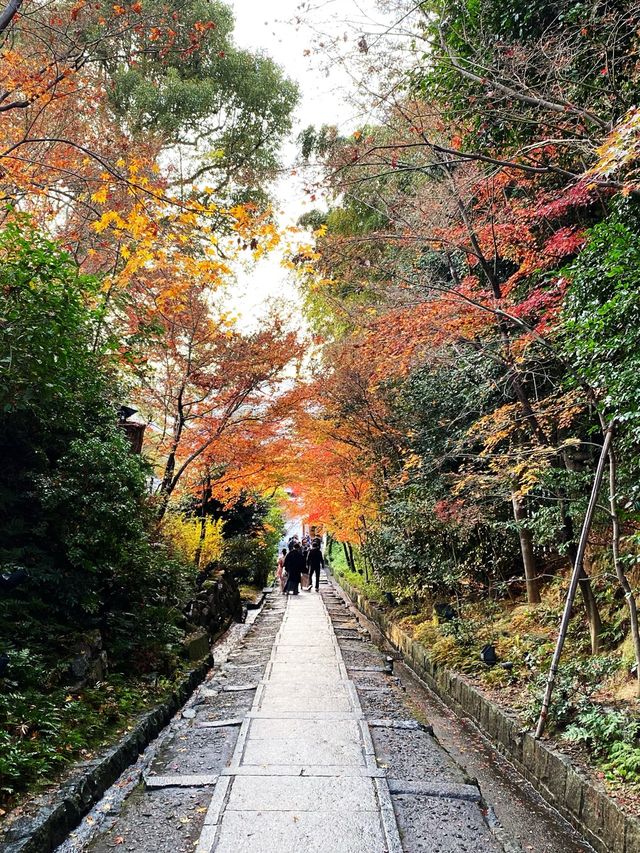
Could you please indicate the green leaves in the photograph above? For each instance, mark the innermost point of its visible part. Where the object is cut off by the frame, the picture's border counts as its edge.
(602, 316)
(185, 80)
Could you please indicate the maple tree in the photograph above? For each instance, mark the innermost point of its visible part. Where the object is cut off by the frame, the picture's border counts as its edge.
(141, 140)
(456, 218)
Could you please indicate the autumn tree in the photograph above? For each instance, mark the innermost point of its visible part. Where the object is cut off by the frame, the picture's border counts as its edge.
(455, 237)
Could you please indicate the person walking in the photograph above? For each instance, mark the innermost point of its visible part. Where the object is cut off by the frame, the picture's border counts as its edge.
(280, 573)
(315, 560)
(294, 567)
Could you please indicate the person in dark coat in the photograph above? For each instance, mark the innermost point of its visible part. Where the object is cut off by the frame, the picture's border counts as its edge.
(294, 566)
(314, 561)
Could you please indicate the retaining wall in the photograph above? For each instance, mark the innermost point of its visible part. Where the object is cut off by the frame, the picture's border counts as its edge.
(585, 805)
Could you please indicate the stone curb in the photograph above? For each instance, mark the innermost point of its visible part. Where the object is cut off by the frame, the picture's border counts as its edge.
(256, 602)
(51, 825)
(587, 807)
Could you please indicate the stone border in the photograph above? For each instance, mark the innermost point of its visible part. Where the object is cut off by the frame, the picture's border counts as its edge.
(587, 807)
(51, 825)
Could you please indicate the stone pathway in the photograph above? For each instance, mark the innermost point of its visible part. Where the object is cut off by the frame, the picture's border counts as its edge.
(301, 738)
(303, 774)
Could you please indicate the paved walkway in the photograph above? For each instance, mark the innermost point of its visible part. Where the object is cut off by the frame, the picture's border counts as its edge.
(303, 738)
(303, 774)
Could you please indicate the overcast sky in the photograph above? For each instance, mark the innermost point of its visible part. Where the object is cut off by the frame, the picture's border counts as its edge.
(290, 32)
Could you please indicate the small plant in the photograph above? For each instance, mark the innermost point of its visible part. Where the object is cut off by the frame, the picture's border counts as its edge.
(624, 763)
(576, 682)
(613, 737)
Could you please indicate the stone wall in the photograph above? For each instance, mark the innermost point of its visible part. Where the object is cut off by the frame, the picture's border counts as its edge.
(584, 804)
(65, 806)
(216, 601)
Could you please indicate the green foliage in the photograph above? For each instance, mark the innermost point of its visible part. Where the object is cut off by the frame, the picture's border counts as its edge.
(40, 732)
(75, 515)
(252, 535)
(602, 317)
(576, 682)
(372, 588)
(237, 103)
(247, 559)
(561, 52)
(75, 499)
(426, 539)
(623, 762)
(613, 737)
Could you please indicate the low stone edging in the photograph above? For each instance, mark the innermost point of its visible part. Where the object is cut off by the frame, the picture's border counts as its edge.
(51, 825)
(588, 808)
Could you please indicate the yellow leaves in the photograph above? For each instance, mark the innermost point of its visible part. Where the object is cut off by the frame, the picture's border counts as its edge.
(187, 536)
(620, 149)
(525, 476)
(100, 196)
(412, 462)
(110, 218)
(241, 215)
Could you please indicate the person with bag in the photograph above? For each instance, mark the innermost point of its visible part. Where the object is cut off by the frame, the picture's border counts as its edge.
(280, 572)
(315, 560)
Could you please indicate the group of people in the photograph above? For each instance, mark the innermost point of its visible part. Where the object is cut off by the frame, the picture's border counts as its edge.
(301, 558)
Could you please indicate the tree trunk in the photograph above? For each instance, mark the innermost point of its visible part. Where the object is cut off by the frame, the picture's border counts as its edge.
(526, 547)
(168, 479)
(591, 608)
(352, 561)
(573, 585)
(206, 492)
(590, 603)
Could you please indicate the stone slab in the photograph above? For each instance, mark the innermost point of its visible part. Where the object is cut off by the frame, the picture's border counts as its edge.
(308, 715)
(435, 789)
(309, 770)
(394, 724)
(220, 724)
(301, 793)
(302, 751)
(293, 831)
(180, 781)
(300, 655)
(304, 704)
(304, 669)
(283, 690)
(332, 731)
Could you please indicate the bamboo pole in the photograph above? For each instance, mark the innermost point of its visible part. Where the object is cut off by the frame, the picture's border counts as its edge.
(622, 578)
(575, 577)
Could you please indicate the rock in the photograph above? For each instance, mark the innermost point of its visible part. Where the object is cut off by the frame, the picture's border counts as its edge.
(197, 645)
(90, 663)
(217, 599)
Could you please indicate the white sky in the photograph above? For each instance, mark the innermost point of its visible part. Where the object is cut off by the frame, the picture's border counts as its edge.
(324, 99)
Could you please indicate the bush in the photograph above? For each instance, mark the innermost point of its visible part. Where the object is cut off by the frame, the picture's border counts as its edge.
(248, 560)
(76, 516)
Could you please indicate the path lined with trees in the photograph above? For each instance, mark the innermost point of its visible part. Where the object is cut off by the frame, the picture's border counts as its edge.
(474, 281)
(459, 413)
